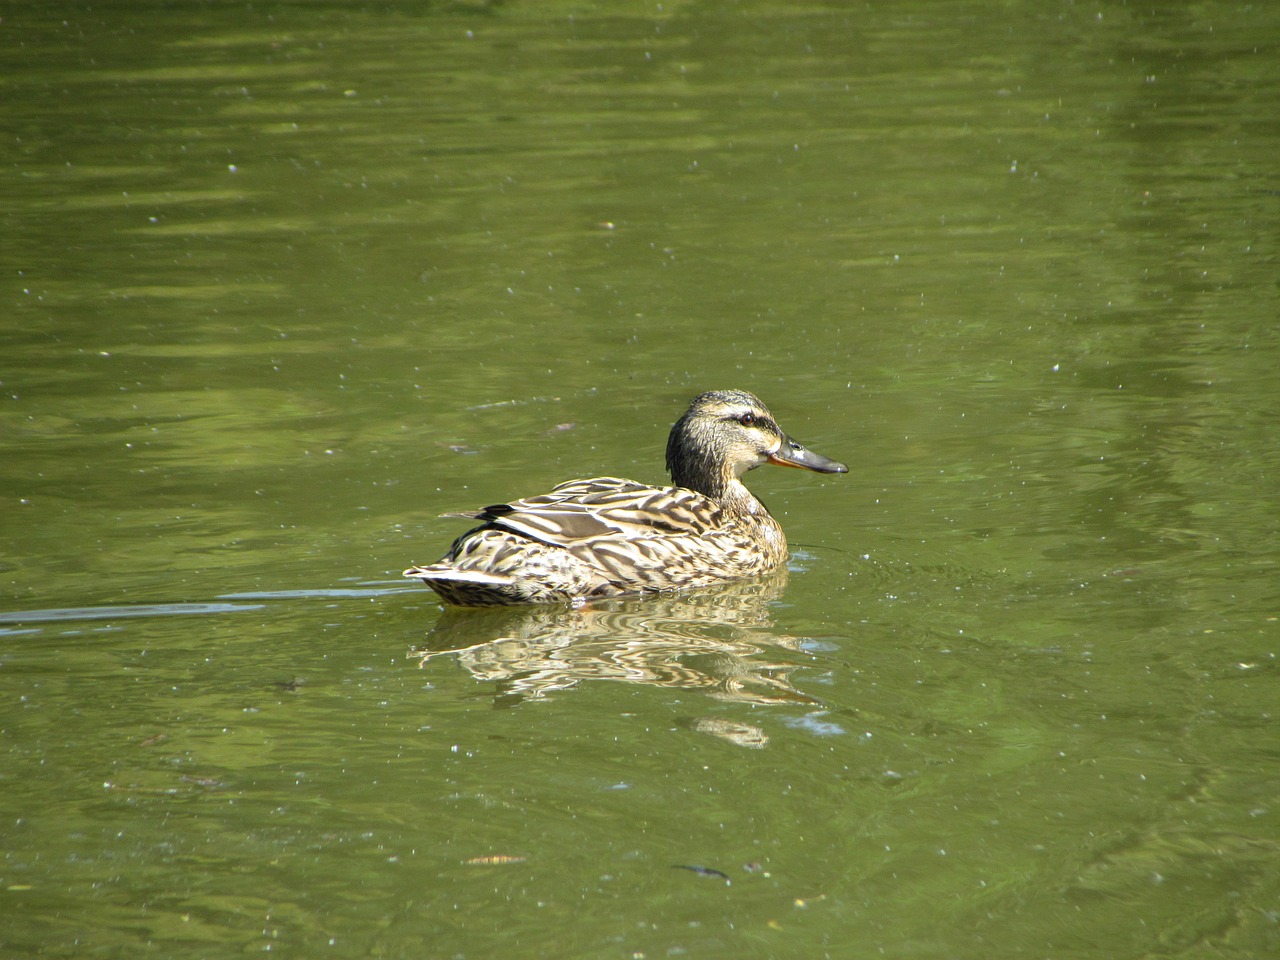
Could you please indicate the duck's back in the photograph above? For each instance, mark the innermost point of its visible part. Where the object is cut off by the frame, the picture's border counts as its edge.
(606, 508)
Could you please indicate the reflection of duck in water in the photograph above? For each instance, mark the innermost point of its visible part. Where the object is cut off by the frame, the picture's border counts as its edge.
(709, 641)
(607, 537)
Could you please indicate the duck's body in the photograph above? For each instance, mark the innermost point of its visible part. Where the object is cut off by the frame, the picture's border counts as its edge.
(608, 537)
(599, 538)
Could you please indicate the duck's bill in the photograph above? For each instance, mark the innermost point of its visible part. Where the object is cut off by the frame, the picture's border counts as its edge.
(792, 454)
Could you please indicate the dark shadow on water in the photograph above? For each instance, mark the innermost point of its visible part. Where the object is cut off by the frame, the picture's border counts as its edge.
(711, 641)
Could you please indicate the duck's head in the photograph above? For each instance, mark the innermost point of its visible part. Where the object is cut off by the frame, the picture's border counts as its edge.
(725, 433)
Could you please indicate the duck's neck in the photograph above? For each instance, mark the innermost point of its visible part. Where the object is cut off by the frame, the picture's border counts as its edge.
(741, 501)
(722, 486)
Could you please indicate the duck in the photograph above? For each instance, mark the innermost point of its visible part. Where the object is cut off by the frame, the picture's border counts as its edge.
(603, 537)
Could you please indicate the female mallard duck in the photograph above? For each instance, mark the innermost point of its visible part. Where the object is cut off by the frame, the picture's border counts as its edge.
(607, 537)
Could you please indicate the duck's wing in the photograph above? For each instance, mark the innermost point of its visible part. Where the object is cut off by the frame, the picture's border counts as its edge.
(605, 508)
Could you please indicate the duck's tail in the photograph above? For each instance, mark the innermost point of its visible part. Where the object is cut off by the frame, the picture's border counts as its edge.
(469, 588)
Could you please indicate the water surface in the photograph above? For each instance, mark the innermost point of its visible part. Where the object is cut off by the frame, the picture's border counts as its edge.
(282, 283)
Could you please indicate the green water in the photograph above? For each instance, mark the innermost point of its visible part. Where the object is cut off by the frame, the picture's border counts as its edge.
(280, 283)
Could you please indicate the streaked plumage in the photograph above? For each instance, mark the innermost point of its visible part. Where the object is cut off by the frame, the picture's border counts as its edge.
(609, 537)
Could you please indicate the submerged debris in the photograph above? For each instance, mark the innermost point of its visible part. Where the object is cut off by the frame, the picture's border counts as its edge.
(703, 871)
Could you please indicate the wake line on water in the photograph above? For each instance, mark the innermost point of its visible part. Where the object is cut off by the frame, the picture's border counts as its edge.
(123, 611)
(119, 612)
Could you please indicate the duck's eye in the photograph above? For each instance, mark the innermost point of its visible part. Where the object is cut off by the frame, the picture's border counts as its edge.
(747, 419)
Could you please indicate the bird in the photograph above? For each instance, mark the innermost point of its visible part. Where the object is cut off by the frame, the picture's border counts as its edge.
(609, 537)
